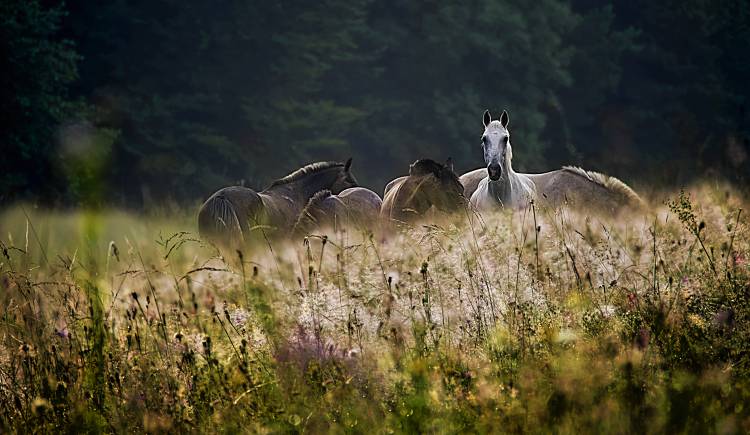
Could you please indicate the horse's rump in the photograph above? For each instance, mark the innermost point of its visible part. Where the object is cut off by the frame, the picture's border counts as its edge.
(362, 206)
(223, 218)
(400, 202)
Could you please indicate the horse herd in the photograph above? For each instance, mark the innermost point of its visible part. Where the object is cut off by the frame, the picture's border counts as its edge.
(326, 194)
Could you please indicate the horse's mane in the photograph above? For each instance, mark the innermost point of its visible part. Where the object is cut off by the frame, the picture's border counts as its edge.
(425, 167)
(317, 199)
(306, 217)
(610, 183)
(430, 167)
(305, 170)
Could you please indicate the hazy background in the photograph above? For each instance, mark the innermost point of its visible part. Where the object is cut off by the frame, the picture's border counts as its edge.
(132, 103)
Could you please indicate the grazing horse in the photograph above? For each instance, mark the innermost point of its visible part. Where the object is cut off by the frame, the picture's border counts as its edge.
(355, 207)
(498, 185)
(429, 187)
(229, 215)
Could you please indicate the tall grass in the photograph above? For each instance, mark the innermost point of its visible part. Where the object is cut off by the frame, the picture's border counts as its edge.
(532, 321)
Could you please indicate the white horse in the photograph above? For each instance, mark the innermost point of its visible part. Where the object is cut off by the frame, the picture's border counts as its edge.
(502, 186)
(498, 185)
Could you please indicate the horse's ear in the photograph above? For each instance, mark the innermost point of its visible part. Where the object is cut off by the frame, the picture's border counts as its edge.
(486, 119)
(504, 119)
(449, 163)
(348, 164)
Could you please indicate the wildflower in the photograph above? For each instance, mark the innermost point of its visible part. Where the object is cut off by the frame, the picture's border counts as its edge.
(239, 317)
(565, 336)
(724, 318)
(632, 299)
(62, 332)
(608, 310)
(696, 320)
(643, 338)
(739, 259)
(394, 278)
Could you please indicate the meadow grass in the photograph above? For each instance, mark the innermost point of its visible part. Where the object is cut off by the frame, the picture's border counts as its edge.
(532, 321)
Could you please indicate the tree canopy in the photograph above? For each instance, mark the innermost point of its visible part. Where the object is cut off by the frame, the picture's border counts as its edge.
(167, 99)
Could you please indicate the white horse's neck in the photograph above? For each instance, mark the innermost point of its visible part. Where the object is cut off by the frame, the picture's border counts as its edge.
(512, 190)
(501, 191)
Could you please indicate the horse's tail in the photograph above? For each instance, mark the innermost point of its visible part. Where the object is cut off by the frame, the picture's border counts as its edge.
(218, 221)
(618, 191)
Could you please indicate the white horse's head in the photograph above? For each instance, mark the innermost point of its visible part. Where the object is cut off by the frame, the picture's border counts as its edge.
(496, 145)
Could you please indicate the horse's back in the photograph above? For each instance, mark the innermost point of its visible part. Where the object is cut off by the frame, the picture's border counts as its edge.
(362, 201)
(392, 184)
(404, 202)
(360, 208)
(355, 207)
(584, 190)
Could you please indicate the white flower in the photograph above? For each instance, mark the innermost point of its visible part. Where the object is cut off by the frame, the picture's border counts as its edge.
(566, 335)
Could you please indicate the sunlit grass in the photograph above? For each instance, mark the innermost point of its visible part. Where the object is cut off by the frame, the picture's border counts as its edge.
(525, 321)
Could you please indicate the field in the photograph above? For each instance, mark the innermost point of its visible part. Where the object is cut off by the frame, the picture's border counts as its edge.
(537, 321)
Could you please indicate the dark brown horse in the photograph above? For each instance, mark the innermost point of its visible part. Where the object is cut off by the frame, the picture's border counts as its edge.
(230, 215)
(430, 187)
(355, 207)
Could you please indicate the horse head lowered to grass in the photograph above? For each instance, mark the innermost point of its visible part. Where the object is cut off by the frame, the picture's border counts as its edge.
(355, 208)
(429, 188)
(232, 215)
(498, 185)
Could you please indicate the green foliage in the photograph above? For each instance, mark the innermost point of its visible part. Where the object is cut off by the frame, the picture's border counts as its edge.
(684, 105)
(38, 67)
(183, 98)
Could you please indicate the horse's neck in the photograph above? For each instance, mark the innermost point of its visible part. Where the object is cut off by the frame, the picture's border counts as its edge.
(500, 190)
(415, 193)
(512, 190)
(284, 202)
(303, 189)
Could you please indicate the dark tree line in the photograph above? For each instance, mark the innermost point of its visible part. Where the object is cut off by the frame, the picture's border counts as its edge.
(132, 101)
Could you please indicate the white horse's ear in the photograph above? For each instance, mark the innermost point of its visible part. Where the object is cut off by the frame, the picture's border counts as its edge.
(486, 118)
(348, 164)
(449, 163)
(504, 119)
